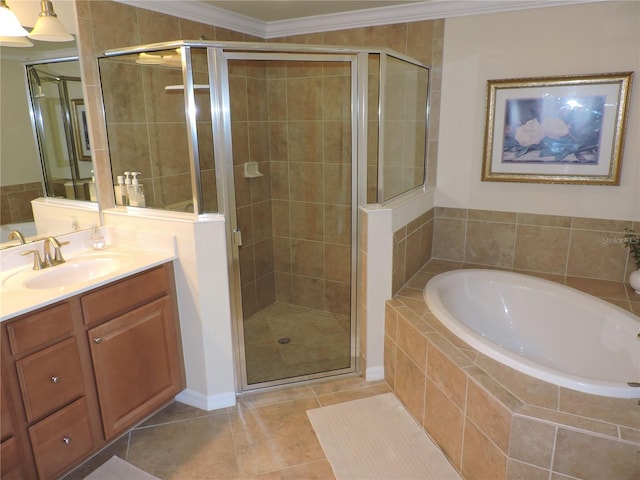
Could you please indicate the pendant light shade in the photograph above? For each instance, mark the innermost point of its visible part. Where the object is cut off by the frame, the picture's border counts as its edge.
(48, 27)
(9, 24)
(15, 42)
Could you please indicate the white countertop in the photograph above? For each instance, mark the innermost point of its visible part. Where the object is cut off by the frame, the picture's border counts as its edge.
(137, 256)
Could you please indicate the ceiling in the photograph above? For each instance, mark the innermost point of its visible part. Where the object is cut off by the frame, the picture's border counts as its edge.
(275, 10)
(279, 18)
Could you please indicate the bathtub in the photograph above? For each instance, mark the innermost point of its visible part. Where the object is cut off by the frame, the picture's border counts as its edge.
(543, 329)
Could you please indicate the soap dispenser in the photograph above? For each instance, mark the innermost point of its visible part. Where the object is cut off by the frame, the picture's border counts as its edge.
(136, 195)
(120, 191)
(93, 196)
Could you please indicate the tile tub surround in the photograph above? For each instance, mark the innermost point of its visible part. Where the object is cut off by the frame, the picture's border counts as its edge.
(412, 245)
(587, 248)
(494, 422)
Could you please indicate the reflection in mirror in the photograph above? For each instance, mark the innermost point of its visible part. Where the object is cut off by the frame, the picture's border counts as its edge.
(60, 125)
(22, 178)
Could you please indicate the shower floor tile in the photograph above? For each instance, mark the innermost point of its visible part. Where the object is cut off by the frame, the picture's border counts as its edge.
(285, 340)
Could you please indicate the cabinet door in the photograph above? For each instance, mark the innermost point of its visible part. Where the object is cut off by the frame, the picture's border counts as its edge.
(6, 424)
(10, 468)
(136, 364)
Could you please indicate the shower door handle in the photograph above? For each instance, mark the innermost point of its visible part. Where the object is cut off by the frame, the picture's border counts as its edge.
(237, 237)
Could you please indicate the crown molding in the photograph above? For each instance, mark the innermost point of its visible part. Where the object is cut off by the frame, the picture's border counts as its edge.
(413, 12)
(203, 13)
(427, 10)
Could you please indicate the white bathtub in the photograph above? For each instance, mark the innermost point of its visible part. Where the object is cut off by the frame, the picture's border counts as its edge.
(541, 328)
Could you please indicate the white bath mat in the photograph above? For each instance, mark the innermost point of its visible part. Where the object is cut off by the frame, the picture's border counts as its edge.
(376, 438)
(117, 469)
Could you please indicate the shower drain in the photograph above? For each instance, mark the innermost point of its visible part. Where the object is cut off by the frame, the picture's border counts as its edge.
(284, 340)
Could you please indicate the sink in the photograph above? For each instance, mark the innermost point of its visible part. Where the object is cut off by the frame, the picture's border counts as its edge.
(74, 271)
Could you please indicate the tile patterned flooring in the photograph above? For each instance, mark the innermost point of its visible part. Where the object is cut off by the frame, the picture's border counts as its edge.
(266, 436)
(320, 341)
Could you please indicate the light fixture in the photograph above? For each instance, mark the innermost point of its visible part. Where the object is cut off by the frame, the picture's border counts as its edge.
(48, 27)
(149, 59)
(9, 24)
(6, 41)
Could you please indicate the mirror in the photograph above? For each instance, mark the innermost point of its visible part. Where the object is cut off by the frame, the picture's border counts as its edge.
(23, 174)
(60, 124)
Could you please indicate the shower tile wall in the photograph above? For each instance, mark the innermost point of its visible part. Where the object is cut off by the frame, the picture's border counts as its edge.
(295, 219)
(158, 151)
(249, 129)
(15, 202)
(147, 129)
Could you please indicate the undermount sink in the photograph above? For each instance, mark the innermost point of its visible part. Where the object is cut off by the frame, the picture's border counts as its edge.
(77, 270)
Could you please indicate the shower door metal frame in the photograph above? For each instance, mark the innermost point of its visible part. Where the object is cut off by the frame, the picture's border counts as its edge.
(221, 117)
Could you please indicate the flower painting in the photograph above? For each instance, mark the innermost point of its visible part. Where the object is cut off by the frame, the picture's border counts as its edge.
(567, 130)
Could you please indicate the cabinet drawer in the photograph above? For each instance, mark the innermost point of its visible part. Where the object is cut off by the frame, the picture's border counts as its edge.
(10, 468)
(122, 296)
(62, 439)
(39, 328)
(50, 378)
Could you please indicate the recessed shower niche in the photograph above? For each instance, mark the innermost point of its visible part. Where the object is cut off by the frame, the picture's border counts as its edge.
(287, 141)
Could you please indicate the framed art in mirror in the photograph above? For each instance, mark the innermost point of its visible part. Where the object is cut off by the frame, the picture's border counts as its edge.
(556, 129)
(81, 129)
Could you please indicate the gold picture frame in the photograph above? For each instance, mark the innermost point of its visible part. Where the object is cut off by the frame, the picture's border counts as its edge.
(556, 129)
(80, 129)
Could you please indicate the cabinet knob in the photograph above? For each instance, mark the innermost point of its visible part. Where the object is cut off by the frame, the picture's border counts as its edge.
(97, 340)
(66, 440)
(55, 379)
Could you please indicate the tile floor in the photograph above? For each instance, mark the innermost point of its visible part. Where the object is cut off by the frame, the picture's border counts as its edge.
(267, 435)
(319, 341)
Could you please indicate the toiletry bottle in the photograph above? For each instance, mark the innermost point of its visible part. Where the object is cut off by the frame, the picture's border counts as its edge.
(120, 191)
(127, 186)
(93, 196)
(136, 197)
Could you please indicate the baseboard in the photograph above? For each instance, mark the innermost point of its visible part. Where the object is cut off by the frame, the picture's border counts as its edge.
(374, 374)
(208, 403)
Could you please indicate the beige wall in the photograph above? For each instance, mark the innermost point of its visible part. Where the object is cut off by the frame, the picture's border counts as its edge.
(20, 158)
(579, 39)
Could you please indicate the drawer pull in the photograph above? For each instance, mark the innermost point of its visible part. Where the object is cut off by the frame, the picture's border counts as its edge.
(66, 440)
(97, 340)
(55, 379)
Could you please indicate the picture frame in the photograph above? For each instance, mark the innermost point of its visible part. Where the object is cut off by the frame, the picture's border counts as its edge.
(80, 129)
(556, 129)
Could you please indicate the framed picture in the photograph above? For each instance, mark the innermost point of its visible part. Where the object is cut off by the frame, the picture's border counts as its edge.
(80, 129)
(556, 129)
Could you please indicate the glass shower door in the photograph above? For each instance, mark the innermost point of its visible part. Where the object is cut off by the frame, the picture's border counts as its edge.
(291, 127)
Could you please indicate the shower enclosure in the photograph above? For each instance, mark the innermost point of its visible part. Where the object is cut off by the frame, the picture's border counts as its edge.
(273, 136)
(57, 112)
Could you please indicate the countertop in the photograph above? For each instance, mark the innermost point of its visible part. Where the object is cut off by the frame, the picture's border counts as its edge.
(15, 299)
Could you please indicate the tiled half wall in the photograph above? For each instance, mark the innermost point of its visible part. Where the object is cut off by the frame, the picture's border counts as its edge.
(492, 421)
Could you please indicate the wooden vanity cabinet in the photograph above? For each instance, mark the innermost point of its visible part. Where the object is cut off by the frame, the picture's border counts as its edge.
(77, 374)
(136, 355)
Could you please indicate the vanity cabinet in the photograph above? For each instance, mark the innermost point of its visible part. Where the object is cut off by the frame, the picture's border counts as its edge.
(77, 374)
(134, 353)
